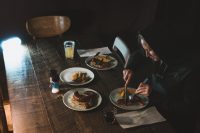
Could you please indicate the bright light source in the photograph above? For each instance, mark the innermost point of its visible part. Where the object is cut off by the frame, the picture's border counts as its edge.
(11, 42)
(13, 52)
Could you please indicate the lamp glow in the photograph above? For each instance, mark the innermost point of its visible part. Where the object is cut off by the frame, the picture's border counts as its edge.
(13, 51)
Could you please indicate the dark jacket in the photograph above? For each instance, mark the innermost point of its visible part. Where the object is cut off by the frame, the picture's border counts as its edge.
(176, 90)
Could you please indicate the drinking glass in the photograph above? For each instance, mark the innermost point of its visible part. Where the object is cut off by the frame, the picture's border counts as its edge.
(69, 47)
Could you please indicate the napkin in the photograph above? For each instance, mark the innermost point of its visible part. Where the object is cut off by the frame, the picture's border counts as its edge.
(92, 52)
(137, 118)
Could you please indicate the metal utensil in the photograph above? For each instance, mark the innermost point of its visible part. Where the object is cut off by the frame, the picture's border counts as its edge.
(125, 94)
(130, 97)
(96, 54)
(145, 80)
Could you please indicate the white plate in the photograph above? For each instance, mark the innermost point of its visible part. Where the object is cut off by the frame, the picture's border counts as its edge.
(114, 96)
(67, 99)
(114, 63)
(66, 75)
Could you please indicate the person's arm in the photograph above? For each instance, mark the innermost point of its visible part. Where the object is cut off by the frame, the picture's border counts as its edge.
(127, 76)
(135, 60)
(143, 89)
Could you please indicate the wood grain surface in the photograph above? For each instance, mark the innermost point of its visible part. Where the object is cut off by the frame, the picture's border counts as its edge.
(36, 110)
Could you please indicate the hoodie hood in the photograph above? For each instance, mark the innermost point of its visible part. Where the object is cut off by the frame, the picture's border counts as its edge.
(157, 36)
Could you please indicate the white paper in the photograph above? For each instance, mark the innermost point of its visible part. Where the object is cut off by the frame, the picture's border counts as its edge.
(92, 52)
(137, 118)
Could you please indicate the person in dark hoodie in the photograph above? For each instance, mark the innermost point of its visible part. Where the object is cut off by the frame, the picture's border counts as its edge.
(173, 85)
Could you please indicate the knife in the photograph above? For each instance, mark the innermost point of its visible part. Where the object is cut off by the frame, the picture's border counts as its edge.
(125, 94)
(96, 54)
(145, 80)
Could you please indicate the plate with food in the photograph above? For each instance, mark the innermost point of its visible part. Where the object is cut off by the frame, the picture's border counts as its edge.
(77, 76)
(82, 99)
(133, 101)
(101, 62)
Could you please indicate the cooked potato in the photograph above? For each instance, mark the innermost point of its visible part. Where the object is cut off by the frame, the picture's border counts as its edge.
(122, 92)
(80, 77)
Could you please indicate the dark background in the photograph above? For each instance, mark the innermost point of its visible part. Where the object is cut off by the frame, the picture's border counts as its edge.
(101, 20)
(91, 18)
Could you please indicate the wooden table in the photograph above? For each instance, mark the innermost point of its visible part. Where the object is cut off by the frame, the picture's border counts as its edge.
(36, 110)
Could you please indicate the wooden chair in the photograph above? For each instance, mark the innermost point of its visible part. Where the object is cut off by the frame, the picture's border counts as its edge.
(47, 26)
(120, 47)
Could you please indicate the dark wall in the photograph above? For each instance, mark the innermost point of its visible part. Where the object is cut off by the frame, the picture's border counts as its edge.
(182, 19)
(102, 20)
(88, 16)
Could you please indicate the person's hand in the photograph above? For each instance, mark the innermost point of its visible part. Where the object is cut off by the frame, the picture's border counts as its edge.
(143, 89)
(127, 75)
